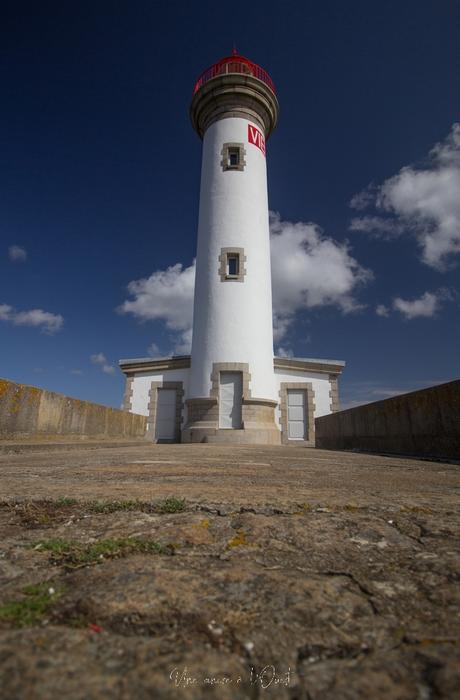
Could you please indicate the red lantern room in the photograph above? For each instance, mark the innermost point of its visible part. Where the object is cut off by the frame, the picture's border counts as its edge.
(234, 64)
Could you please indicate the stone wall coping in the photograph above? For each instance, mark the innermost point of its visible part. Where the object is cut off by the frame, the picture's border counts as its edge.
(392, 400)
(19, 385)
(260, 402)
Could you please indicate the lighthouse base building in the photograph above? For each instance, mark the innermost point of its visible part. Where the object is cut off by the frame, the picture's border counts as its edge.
(159, 389)
(231, 388)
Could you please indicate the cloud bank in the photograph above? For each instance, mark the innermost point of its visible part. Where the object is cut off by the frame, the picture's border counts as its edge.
(309, 270)
(421, 201)
(48, 323)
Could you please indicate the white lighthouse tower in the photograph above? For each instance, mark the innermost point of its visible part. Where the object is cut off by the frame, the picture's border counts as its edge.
(232, 384)
(231, 388)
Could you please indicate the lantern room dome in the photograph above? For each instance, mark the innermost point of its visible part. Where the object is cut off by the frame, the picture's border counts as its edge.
(235, 64)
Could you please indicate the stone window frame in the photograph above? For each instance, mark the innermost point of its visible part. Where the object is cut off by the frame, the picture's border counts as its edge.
(128, 395)
(334, 393)
(152, 406)
(224, 253)
(225, 153)
(307, 387)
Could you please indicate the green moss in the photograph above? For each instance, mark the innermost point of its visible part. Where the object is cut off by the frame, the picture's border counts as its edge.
(171, 505)
(74, 554)
(32, 608)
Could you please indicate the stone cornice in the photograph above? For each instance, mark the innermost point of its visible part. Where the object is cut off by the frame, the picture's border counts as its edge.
(234, 94)
(163, 364)
(309, 365)
(148, 364)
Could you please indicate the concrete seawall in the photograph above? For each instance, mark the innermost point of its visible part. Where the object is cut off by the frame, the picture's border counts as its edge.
(28, 411)
(424, 423)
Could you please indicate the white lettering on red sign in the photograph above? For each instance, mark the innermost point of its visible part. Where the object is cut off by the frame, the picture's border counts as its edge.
(256, 137)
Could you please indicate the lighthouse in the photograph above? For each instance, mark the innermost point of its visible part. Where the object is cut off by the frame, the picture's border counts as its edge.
(234, 110)
(232, 389)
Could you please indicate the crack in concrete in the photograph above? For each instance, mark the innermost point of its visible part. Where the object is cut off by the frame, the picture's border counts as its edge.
(365, 591)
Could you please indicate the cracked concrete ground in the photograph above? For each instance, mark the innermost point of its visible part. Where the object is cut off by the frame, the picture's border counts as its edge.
(289, 573)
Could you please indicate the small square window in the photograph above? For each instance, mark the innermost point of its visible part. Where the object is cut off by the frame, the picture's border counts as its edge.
(233, 157)
(233, 264)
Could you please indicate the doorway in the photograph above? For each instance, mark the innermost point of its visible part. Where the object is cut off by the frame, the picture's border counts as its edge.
(297, 415)
(230, 400)
(165, 425)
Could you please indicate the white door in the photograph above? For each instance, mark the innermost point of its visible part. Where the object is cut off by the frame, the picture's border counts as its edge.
(230, 397)
(296, 414)
(165, 428)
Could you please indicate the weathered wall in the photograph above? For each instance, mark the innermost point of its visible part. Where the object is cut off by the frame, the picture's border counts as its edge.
(26, 410)
(424, 423)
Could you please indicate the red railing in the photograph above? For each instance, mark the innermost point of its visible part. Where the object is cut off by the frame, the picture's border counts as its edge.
(234, 64)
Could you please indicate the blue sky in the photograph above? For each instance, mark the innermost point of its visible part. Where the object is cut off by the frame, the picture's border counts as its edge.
(99, 181)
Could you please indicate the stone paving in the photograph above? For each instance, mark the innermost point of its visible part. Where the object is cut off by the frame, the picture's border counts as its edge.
(151, 571)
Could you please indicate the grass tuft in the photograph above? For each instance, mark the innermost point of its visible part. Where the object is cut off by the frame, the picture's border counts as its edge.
(171, 505)
(113, 506)
(31, 610)
(74, 554)
(65, 501)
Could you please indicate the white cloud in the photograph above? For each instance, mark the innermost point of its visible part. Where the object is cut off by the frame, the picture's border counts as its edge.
(183, 343)
(382, 310)
(154, 351)
(422, 201)
(78, 372)
(17, 253)
(48, 322)
(101, 360)
(381, 228)
(309, 270)
(284, 352)
(362, 199)
(166, 295)
(425, 306)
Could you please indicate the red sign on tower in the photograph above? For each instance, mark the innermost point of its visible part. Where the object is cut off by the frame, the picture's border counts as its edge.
(256, 137)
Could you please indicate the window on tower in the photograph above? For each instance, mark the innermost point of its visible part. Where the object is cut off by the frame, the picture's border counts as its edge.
(233, 264)
(233, 156)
